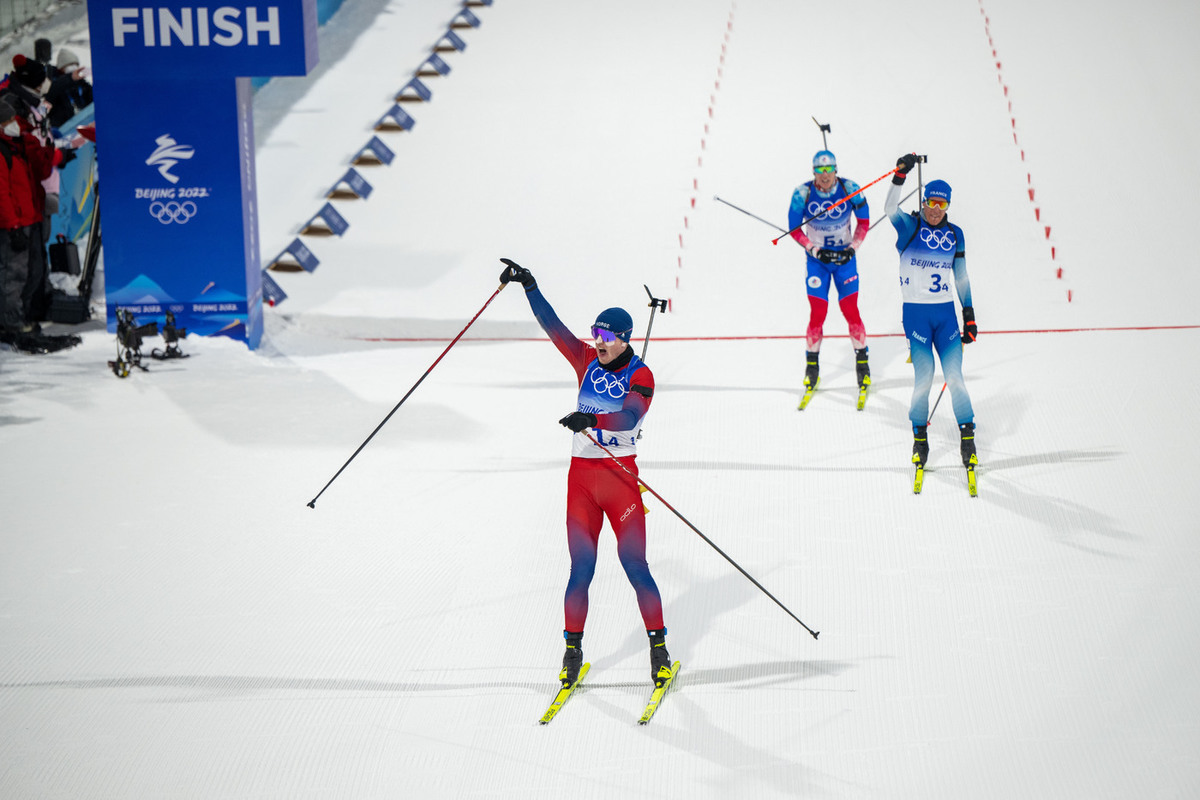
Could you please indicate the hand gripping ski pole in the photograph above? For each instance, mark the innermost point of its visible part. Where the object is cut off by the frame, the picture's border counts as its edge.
(655, 305)
(835, 205)
(313, 503)
(696, 530)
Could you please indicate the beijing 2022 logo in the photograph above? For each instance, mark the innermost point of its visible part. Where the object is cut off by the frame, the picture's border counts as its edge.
(171, 205)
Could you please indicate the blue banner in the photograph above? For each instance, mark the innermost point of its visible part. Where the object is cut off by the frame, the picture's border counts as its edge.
(175, 128)
(178, 39)
(178, 232)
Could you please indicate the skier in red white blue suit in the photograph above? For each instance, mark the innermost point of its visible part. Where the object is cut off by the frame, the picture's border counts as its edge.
(933, 260)
(615, 390)
(830, 245)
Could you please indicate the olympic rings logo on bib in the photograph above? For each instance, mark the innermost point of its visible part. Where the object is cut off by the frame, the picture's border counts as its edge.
(816, 207)
(605, 382)
(937, 240)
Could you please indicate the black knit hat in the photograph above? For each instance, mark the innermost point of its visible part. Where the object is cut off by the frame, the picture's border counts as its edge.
(30, 73)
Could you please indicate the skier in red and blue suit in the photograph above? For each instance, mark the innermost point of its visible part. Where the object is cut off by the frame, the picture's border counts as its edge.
(615, 390)
(830, 245)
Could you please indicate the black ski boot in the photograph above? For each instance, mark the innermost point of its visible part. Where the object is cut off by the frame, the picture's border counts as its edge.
(967, 432)
(920, 446)
(864, 372)
(572, 659)
(660, 659)
(813, 370)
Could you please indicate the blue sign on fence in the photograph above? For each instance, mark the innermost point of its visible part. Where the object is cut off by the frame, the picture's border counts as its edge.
(374, 152)
(296, 256)
(414, 90)
(465, 19)
(395, 119)
(451, 41)
(272, 293)
(434, 65)
(331, 223)
(350, 186)
(180, 219)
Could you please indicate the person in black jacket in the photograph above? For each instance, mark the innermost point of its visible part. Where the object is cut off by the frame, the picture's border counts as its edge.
(70, 92)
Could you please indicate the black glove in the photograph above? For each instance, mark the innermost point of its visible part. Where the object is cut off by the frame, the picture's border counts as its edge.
(842, 256)
(17, 240)
(577, 420)
(67, 157)
(515, 272)
(827, 256)
(904, 164)
(970, 331)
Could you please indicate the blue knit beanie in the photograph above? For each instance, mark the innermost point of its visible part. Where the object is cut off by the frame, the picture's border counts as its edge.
(937, 189)
(616, 320)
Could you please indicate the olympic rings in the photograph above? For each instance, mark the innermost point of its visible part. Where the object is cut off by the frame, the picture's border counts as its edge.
(169, 212)
(605, 382)
(817, 207)
(938, 240)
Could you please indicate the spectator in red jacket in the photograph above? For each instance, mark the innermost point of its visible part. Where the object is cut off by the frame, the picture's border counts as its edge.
(24, 164)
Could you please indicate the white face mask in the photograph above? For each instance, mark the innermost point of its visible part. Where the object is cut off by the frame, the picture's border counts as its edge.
(45, 87)
(12, 129)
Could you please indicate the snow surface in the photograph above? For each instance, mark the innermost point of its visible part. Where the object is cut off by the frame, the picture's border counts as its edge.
(175, 622)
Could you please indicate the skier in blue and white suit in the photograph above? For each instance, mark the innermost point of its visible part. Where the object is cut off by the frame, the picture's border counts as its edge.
(932, 261)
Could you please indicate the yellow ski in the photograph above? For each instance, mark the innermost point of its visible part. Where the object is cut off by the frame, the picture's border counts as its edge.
(808, 394)
(563, 694)
(657, 696)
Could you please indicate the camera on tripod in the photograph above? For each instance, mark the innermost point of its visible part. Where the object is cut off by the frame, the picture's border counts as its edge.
(130, 336)
(129, 343)
(171, 336)
(129, 333)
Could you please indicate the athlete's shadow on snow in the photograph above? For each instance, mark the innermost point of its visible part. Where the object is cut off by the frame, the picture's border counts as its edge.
(1053, 457)
(1071, 524)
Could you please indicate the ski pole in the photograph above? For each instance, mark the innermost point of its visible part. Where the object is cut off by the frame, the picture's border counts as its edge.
(313, 503)
(881, 219)
(748, 214)
(920, 183)
(835, 205)
(696, 530)
(655, 305)
(935, 403)
(824, 130)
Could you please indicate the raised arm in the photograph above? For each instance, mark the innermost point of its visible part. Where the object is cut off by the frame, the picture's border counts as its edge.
(578, 352)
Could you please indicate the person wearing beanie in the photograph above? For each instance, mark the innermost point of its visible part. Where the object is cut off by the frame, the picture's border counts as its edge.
(27, 82)
(67, 61)
(820, 219)
(24, 163)
(615, 390)
(30, 73)
(933, 261)
(69, 92)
